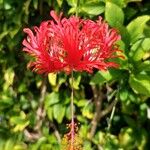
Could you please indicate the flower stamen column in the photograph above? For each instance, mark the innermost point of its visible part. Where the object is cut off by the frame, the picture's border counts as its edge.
(72, 113)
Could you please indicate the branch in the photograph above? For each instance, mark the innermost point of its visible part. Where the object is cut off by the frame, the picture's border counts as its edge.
(98, 98)
(109, 108)
(31, 136)
(40, 111)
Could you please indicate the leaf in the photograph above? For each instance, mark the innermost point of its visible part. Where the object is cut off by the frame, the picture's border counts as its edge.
(5, 102)
(9, 144)
(51, 99)
(128, 1)
(52, 78)
(124, 34)
(76, 82)
(88, 111)
(72, 3)
(59, 112)
(144, 66)
(136, 27)
(93, 8)
(104, 76)
(114, 19)
(60, 2)
(20, 122)
(120, 3)
(3, 34)
(35, 4)
(81, 103)
(100, 77)
(50, 113)
(123, 94)
(9, 78)
(140, 84)
(139, 49)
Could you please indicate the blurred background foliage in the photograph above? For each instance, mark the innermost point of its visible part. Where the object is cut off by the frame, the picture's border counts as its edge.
(34, 110)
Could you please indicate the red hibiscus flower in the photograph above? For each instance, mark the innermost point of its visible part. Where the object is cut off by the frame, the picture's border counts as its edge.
(71, 44)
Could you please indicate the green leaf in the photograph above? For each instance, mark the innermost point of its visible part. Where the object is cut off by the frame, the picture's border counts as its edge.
(52, 78)
(59, 112)
(35, 4)
(9, 78)
(76, 81)
(59, 2)
(123, 94)
(9, 144)
(104, 76)
(136, 27)
(5, 102)
(128, 1)
(120, 3)
(93, 8)
(51, 99)
(140, 84)
(72, 3)
(144, 66)
(20, 121)
(50, 113)
(126, 138)
(88, 111)
(81, 102)
(114, 19)
(139, 49)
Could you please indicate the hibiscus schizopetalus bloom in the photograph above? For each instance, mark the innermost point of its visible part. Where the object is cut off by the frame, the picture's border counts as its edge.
(72, 44)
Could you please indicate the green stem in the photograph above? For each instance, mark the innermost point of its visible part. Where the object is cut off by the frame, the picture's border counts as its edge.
(111, 117)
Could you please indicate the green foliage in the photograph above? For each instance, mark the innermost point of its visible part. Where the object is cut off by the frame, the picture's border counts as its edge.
(34, 110)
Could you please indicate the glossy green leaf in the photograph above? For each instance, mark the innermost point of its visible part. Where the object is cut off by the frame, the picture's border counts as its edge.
(112, 19)
(139, 49)
(140, 83)
(144, 66)
(123, 94)
(104, 76)
(92, 8)
(51, 99)
(135, 30)
(50, 113)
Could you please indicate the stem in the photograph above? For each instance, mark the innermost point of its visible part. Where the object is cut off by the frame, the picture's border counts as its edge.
(72, 113)
(111, 116)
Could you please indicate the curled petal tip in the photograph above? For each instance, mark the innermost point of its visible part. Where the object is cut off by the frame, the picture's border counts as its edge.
(26, 30)
(54, 15)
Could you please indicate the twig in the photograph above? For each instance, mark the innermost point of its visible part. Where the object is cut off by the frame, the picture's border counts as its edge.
(112, 114)
(108, 109)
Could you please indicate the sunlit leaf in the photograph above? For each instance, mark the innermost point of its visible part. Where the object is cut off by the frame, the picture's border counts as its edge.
(140, 83)
(112, 19)
(59, 112)
(135, 30)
